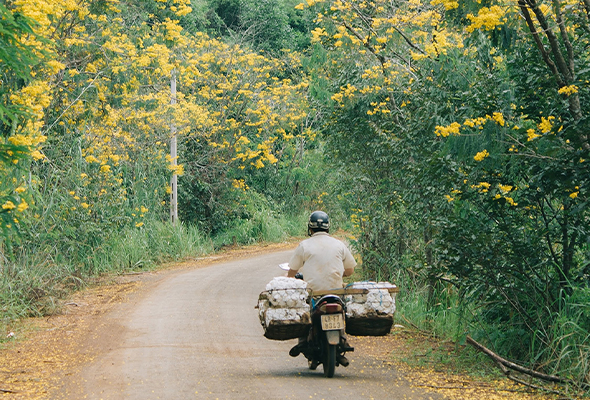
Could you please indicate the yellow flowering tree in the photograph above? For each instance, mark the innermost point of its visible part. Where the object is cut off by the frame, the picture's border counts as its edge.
(255, 109)
(21, 100)
(461, 130)
(102, 114)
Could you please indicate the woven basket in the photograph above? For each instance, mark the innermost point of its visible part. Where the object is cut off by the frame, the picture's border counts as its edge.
(373, 325)
(285, 330)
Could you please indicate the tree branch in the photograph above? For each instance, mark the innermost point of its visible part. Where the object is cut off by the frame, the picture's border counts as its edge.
(508, 364)
(561, 64)
(365, 42)
(529, 21)
(564, 36)
(566, 75)
(587, 8)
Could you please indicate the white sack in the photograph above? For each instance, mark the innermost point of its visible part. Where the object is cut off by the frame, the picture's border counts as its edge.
(283, 282)
(287, 292)
(285, 314)
(285, 299)
(377, 301)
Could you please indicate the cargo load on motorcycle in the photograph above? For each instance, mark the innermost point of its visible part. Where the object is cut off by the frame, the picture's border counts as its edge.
(285, 308)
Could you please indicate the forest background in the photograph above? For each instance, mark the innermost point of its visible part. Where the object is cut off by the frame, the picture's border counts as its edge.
(449, 138)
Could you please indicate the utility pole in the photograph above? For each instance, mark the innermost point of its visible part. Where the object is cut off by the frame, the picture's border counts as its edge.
(173, 156)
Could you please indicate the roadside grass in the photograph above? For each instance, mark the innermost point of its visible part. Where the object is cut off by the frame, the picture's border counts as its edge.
(264, 226)
(419, 349)
(36, 284)
(154, 243)
(432, 338)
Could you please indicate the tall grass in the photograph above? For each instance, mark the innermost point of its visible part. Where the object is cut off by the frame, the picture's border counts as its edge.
(154, 243)
(565, 346)
(263, 226)
(33, 284)
(563, 349)
(444, 319)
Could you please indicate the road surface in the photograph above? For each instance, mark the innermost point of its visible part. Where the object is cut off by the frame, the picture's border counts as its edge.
(196, 335)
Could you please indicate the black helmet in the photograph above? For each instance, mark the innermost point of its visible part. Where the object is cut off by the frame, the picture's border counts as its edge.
(318, 221)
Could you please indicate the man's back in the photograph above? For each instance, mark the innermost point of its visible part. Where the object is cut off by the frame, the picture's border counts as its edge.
(322, 260)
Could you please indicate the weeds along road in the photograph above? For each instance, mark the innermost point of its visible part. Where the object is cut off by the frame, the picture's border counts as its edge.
(196, 335)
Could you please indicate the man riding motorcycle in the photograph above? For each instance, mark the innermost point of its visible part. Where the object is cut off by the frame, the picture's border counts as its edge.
(323, 261)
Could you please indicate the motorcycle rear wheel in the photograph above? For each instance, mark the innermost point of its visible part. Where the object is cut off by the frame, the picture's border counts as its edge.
(329, 362)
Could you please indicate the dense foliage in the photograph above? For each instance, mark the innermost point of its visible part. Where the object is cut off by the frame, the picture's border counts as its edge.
(452, 136)
(463, 131)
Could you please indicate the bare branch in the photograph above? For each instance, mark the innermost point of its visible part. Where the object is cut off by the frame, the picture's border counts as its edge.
(587, 8)
(529, 21)
(564, 36)
(553, 43)
(365, 42)
(513, 366)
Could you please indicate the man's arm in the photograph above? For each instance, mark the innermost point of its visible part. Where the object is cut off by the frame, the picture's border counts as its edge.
(296, 262)
(348, 262)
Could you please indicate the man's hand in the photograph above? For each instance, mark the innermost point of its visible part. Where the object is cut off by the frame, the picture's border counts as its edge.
(291, 273)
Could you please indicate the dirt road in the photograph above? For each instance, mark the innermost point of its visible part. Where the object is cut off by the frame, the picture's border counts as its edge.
(196, 335)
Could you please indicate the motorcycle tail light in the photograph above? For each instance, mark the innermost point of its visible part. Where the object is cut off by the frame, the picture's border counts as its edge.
(333, 308)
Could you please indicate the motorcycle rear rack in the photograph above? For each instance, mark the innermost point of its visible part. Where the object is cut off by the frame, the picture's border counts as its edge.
(345, 291)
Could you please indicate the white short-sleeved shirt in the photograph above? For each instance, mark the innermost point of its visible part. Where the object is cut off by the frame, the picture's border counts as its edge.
(322, 260)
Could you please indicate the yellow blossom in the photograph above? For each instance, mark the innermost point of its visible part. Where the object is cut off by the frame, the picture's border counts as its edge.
(488, 18)
(505, 188)
(498, 118)
(37, 155)
(481, 155)
(449, 4)
(483, 186)
(240, 184)
(546, 124)
(317, 33)
(532, 135)
(511, 201)
(445, 131)
(258, 164)
(568, 90)
(9, 205)
(337, 97)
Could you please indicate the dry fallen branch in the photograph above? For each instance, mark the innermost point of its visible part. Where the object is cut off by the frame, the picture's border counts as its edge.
(470, 387)
(7, 391)
(504, 365)
(444, 387)
(421, 331)
(509, 375)
(516, 367)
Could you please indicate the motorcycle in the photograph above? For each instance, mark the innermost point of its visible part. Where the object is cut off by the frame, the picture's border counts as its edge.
(325, 343)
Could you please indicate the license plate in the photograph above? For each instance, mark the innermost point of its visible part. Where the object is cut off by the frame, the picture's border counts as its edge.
(332, 322)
